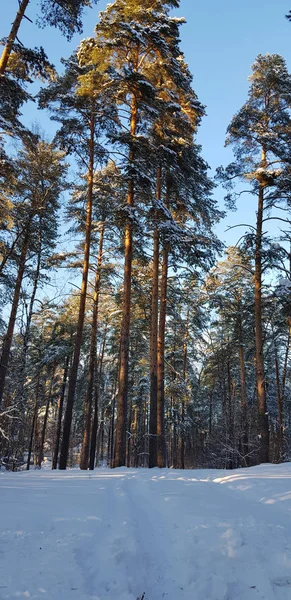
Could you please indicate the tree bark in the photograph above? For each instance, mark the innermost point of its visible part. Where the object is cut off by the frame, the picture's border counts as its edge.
(96, 406)
(79, 333)
(280, 433)
(12, 35)
(33, 424)
(154, 340)
(243, 392)
(161, 363)
(84, 460)
(263, 421)
(60, 413)
(44, 425)
(120, 436)
(10, 329)
(185, 351)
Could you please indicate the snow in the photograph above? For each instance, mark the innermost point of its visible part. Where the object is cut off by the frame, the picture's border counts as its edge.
(118, 534)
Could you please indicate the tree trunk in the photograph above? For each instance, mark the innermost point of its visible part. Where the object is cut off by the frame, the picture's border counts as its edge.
(96, 406)
(129, 433)
(112, 430)
(21, 393)
(280, 432)
(243, 392)
(12, 35)
(10, 329)
(84, 460)
(154, 343)
(161, 364)
(33, 424)
(120, 437)
(185, 350)
(263, 421)
(44, 425)
(79, 333)
(60, 413)
(11, 250)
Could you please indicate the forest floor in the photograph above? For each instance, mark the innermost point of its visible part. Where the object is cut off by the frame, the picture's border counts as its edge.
(126, 534)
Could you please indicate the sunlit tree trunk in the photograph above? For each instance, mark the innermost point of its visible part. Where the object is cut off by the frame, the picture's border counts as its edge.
(79, 333)
(120, 437)
(12, 35)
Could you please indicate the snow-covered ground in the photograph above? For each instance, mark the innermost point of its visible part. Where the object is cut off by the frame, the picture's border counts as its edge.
(189, 535)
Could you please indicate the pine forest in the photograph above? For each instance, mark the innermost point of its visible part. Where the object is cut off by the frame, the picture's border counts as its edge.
(131, 333)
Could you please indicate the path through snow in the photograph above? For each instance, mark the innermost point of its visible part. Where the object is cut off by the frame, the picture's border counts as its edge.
(177, 535)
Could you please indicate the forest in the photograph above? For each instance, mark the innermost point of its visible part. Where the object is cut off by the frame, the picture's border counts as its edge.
(167, 348)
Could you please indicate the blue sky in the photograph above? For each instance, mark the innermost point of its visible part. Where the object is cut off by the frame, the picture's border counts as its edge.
(220, 41)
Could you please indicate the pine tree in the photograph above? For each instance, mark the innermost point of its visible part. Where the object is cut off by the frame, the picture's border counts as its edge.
(260, 134)
(41, 180)
(82, 109)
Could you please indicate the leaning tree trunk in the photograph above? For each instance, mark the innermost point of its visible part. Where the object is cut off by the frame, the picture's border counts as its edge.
(154, 340)
(4, 361)
(12, 35)
(11, 250)
(120, 436)
(79, 333)
(92, 360)
(263, 421)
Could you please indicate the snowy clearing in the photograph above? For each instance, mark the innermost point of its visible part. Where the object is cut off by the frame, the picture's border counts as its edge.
(189, 535)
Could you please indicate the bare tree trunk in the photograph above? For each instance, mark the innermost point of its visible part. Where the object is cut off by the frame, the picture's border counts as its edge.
(96, 406)
(21, 393)
(263, 421)
(84, 460)
(280, 432)
(12, 35)
(4, 361)
(129, 432)
(33, 425)
(120, 437)
(153, 446)
(112, 429)
(185, 351)
(44, 425)
(60, 413)
(79, 333)
(243, 392)
(161, 364)
(31, 437)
